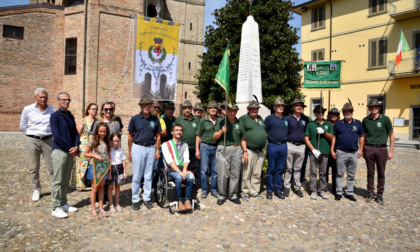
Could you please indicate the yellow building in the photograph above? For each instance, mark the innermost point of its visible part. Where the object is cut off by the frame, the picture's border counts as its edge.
(364, 35)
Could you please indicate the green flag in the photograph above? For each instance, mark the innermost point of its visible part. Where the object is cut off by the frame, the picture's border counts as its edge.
(222, 76)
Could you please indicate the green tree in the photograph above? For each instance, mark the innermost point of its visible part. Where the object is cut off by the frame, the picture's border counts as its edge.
(280, 64)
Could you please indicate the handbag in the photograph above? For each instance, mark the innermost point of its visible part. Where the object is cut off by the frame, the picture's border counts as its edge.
(120, 177)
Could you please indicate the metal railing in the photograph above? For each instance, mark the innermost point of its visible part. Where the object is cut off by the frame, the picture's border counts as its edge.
(406, 66)
(402, 6)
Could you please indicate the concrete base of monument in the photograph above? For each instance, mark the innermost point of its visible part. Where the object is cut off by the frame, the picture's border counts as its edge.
(263, 112)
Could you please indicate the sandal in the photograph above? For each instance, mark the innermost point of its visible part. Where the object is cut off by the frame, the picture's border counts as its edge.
(119, 208)
(94, 214)
(103, 213)
(112, 209)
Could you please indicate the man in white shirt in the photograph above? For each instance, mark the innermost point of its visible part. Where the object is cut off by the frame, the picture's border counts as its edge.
(35, 124)
(176, 159)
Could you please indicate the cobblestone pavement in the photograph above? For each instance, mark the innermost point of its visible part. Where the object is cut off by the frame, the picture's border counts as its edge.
(276, 225)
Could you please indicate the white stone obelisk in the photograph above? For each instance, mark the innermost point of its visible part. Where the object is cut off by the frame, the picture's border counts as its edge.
(249, 74)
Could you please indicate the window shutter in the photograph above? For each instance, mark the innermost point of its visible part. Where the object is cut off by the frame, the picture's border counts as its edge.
(381, 5)
(374, 6)
(321, 16)
(373, 52)
(315, 18)
(381, 52)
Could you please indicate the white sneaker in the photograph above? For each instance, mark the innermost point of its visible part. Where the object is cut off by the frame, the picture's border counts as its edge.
(59, 213)
(67, 208)
(313, 195)
(324, 195)
(36, 195)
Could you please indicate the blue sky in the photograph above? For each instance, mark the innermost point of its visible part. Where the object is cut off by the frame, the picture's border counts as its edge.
(211, 5)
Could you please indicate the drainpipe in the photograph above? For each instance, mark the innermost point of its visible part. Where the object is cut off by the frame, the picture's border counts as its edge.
(84, 59)
(331, 16)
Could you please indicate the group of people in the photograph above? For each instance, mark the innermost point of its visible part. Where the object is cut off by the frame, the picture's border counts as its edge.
(211, 149)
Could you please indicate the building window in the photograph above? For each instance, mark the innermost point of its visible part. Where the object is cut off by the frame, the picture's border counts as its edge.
(318, 17)
(151, 11)
(377, 52)
(70, 64)
(318, 55)
(72, 2)
(190, 26)
(377, 6)
(12, 32)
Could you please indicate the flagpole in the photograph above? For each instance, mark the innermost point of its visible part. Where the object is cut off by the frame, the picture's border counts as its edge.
(224, 137)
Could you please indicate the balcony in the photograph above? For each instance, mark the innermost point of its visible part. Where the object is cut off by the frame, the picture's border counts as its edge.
(407, 67)
(404, 9)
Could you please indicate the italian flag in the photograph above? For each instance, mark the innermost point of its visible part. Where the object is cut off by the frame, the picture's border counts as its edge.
(174, 152)
(402, 47)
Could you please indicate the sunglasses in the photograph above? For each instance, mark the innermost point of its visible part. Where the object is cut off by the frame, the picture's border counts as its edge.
(108, 109)
(66, 100)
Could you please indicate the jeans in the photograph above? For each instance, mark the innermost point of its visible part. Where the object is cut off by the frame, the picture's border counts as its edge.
(208, 155)
(143, 158)
(276, 157)
(178, 180)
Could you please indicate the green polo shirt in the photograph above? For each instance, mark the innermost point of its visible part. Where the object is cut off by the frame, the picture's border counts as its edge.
(170, 123)
(189, 129)
(377, 130)
(324, 144)
(206, 130)
(235, 132)
(255, 134)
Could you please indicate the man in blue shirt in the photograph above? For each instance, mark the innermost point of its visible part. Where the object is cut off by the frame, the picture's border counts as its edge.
(277, 127)
(65, 147)
(349, 138)
(295, 148)
(143, 149)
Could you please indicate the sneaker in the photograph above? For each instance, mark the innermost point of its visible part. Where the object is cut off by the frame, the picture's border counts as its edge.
(259, 196)
(369, 198)
(203, 195)
(67, 208)
(36, 195)
(215, 194)
(324, 195)
(245, 197)
(269, 195)
(286, 192)
(280, 195)
(59, 213)
(313, 195)
(136, 205)
(299, 193)
(148, 204)
(381, 200)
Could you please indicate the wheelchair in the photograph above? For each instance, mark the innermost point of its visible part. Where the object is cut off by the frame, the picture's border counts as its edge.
(165, 192)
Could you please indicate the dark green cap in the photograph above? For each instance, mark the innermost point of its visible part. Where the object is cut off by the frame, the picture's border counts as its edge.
(253, 104)
(198, 106)
(187, 103)
(374, 102)
(347, 106)
(234, 106)
(297, 100)
(145, 99)
(334, 110)
(212, 104)
(319, 107)
(279, 101)
(170, 105)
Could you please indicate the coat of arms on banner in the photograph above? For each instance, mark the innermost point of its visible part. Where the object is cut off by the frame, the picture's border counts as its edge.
(155, 59)
(100, 170)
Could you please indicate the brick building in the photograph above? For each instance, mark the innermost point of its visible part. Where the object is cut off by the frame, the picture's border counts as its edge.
(42, 46)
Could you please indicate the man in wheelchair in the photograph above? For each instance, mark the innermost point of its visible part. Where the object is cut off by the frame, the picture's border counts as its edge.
(176, 159)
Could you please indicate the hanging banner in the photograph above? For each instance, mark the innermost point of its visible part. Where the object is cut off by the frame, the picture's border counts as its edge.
(325, 74)
(155, 60)
(100, 170)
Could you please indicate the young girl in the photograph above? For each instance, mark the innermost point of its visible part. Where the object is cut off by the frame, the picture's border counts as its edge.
(118, 167)
(98, 147)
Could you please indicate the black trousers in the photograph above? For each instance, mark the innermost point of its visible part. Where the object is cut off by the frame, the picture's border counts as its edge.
(333, 164)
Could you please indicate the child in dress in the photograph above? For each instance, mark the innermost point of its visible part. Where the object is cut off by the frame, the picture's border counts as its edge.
(98, 147)
(118, 168)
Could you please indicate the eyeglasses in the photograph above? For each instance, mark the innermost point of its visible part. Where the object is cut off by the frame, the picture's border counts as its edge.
(94, 108)
(108, 109)
(66, 100)
(157, 107)
(319, 112)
